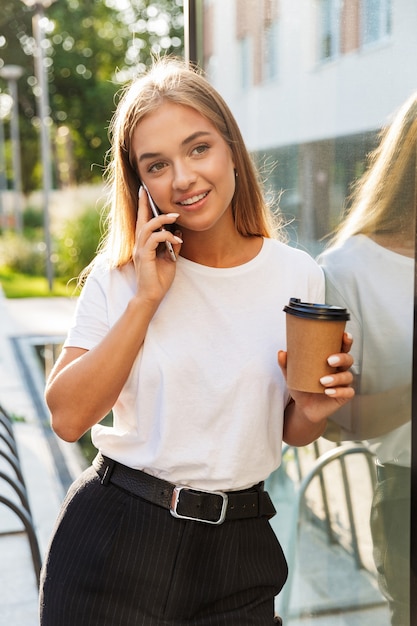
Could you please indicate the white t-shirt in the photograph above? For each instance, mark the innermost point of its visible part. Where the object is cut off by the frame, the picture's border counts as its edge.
(377, 287)
(203, 405)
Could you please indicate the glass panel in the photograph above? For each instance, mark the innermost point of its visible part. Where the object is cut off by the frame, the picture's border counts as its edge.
(348, 193)
(271, 51)
(329, 28)
(245, 63)
(370, 267)
(377, 20)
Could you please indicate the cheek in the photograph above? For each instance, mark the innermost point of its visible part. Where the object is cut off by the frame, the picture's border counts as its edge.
(226, 170)
(231, 177)
(229, 188)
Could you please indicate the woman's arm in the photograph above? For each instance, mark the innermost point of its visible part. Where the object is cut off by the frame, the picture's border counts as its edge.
(85, 384)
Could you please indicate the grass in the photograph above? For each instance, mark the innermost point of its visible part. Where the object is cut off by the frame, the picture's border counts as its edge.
(17, 285)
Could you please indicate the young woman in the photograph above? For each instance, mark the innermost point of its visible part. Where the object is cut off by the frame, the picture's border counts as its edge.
(170, 524)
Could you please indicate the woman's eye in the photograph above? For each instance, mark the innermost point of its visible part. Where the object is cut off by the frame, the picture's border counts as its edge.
(155, 167)
(201, 149)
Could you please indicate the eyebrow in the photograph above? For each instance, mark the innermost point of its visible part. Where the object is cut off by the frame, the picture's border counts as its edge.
(185, 142)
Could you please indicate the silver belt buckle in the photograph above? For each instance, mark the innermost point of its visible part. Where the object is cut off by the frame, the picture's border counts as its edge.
(176, 497)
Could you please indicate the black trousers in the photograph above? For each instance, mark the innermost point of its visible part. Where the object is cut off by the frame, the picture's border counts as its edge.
(117, 560)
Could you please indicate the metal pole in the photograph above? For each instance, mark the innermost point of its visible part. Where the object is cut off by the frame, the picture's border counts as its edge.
(187, 30)
(17, 168)
(43, 113)
(2, 171)
(191, 11)
(5, 108)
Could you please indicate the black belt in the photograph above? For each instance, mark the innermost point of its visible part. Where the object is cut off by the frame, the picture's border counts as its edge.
(212, 507)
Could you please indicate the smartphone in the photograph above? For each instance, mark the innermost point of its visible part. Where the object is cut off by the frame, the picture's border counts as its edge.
(156, 213)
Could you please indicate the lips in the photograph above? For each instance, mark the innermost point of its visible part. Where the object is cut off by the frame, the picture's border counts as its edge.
(193, 199)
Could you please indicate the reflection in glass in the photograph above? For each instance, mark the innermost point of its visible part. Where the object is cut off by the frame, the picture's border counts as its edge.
(376, 20)
(369, 269)
(341, 68)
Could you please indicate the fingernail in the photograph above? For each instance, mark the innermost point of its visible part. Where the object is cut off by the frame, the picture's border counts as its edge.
(330, 392)
(348, 335)
(178, 239)
(333, 360)
(140, 191)
(326, 380)
(173, 215)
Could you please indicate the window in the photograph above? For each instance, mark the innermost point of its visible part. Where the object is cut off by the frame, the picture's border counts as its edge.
(245, 62)
(271, 50)
(329, 29)
(376, 20)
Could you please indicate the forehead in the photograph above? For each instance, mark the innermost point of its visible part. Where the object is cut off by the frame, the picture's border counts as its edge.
(173, 122)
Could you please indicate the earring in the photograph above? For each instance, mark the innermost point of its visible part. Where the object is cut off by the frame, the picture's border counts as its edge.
(236, 174)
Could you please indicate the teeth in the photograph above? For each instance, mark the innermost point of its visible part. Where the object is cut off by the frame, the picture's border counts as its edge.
(193, 199)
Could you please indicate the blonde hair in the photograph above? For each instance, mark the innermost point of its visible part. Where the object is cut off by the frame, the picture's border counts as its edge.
(384, 198)
(174, 81)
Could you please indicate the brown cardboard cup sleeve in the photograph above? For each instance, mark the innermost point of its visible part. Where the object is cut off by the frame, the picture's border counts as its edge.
(314, 332)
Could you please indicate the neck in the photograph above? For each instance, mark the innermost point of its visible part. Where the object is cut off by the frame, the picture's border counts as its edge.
(207, 248)
(401, 243)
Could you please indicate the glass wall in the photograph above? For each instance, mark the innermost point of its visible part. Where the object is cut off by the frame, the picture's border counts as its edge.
(327, 106)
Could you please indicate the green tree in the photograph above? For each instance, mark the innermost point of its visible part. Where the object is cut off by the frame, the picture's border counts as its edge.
(92, 47)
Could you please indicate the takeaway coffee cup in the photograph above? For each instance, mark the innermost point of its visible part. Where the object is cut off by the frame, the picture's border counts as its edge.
(314, 332)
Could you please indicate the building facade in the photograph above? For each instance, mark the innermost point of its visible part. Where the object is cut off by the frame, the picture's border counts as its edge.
(311, 82)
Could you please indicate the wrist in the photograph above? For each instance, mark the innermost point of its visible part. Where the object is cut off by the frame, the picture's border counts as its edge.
(143, 307)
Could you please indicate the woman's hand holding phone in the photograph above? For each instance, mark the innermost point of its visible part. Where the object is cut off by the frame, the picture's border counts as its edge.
(157, 213)
(155, 268)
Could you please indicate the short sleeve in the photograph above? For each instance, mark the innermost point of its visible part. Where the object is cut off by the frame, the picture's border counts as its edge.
(91, 321)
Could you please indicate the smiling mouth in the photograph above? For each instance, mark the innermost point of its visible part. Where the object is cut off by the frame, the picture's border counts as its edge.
(193, 199)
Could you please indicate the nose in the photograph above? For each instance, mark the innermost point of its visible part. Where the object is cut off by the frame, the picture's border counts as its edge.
(184, 176)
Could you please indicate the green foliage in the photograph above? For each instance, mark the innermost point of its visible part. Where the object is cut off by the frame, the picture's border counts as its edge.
(18, 418)
(92, 47)
(17, 285)
(21, 254)
(32, 218)
(85, 443)
(23, 260)
(77, 243)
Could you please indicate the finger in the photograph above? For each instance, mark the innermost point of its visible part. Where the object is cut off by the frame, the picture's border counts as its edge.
(177, 242)
(340, 393)
(159, 223)
(158, 237)
(282, 362)
(342, 360)
(164, 236)
(347, 342)
(145, 214)
(340, 379)
(152, 229)
(282, 359)
(144, 210)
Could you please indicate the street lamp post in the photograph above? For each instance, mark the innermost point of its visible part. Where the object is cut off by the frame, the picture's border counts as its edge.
(12, 73)
(43, 114)
(6, 104)
(192, 31)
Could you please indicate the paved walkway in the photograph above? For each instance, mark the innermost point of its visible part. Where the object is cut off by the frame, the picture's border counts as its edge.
(22, 323)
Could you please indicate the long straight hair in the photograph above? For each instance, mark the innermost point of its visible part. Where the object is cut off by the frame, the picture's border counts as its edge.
(384, 198)
(173, 81)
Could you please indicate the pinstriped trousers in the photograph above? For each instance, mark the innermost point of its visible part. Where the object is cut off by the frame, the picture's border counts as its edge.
(117, 560)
